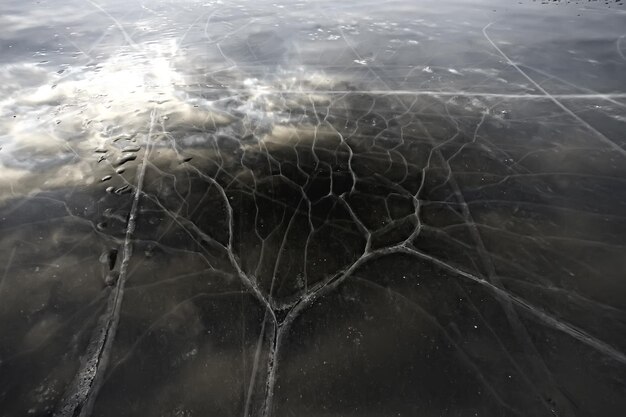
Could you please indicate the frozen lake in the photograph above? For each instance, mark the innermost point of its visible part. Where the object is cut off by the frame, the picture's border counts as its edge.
(312, 208)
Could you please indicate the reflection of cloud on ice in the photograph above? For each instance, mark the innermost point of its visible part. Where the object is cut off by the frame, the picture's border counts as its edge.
(13, 23)
(51, 123)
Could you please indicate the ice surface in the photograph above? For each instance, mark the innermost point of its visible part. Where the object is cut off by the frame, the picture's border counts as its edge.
(404, 208)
